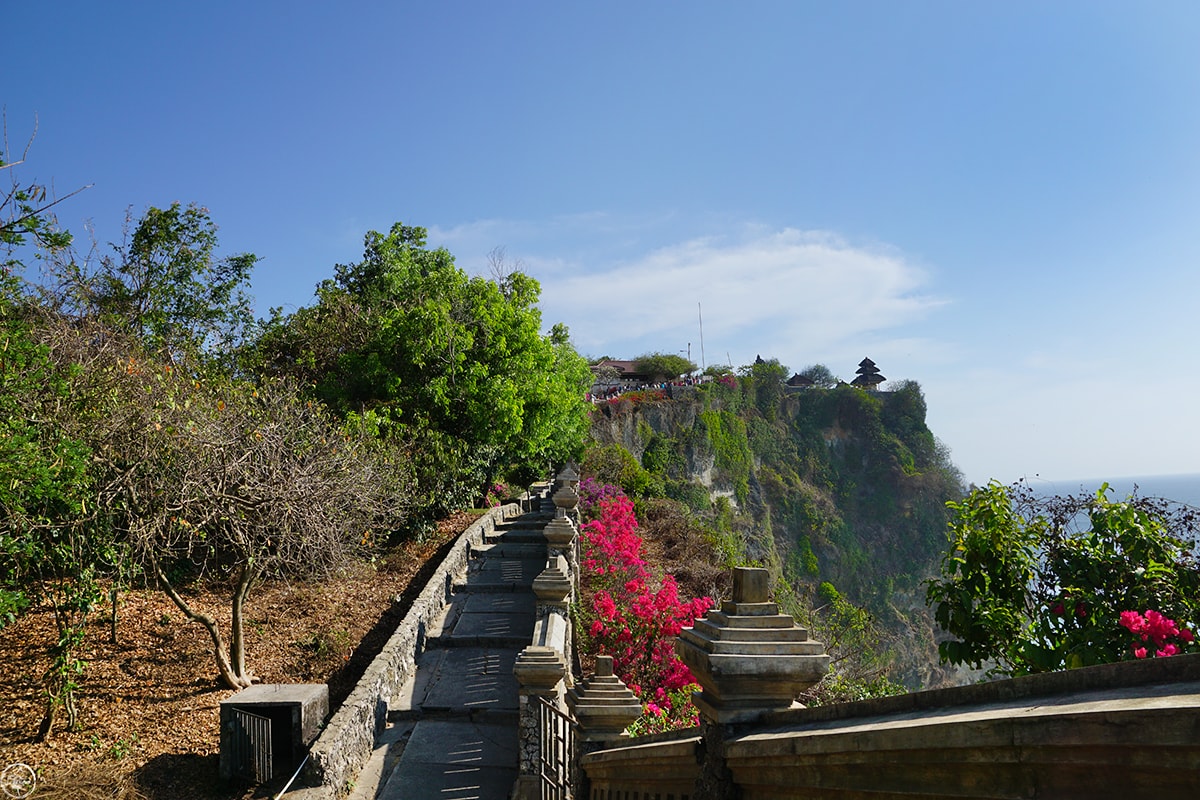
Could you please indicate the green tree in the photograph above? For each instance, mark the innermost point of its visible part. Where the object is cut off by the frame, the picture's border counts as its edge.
(25, 210)
(49, 552)
(49, 549)
(456, 365)
(1038, 584)
(763, 384)
(821, 376)
(166, 285)
(663, 366)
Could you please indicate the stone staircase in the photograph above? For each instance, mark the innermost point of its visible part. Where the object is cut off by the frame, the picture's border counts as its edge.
(452, 729)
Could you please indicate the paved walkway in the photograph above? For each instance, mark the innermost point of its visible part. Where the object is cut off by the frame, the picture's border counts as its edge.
(452, 731)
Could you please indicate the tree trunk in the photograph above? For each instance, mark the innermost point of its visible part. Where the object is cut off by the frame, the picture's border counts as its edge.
(233, 679)
(237, 643)
(112, 620)
(47, 724)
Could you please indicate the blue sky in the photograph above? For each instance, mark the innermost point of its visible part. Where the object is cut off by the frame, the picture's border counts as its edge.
(998, 200)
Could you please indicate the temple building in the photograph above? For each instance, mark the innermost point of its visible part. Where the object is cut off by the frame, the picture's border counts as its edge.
(868, 376)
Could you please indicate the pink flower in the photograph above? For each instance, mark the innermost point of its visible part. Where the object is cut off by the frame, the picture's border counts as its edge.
(1131, 620)
(1139, 652)
(1167, 650)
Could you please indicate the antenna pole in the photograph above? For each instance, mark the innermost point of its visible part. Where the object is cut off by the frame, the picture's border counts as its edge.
(700, 314)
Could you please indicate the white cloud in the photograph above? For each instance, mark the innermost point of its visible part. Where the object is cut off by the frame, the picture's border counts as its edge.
(761, 291)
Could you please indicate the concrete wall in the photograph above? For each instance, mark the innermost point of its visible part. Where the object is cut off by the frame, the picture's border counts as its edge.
(349, 737)
(1123, 730)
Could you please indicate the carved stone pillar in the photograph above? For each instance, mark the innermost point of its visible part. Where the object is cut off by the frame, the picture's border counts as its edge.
(604, 707)
(554, 590)
(562, 538)
(747, 657)
(603, 704)
(539, 670)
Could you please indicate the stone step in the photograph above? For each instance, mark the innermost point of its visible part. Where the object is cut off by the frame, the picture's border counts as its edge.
(519, 571)
(513, 640)
(488, 587)
(516, 536)
(456, 760)
(506, 548)
(462, 679)
(499, 716)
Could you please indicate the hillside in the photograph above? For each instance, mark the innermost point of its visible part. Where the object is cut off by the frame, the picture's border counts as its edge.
(841, 492)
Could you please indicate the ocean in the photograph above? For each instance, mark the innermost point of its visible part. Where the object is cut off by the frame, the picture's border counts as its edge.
(1183, 489)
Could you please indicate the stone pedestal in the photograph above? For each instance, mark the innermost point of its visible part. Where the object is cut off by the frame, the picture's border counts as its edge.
(553, 585)
(603, 705)
(747, 657)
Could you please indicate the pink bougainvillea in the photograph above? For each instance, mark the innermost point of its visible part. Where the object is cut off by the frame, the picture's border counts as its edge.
(1154, 631)
(633, 616)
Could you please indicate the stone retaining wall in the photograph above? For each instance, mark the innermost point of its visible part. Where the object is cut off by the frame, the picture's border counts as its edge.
(348, 739)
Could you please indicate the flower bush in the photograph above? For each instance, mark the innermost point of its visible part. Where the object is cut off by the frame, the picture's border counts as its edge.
(1155, 631)
(627, 613)
(497, 493)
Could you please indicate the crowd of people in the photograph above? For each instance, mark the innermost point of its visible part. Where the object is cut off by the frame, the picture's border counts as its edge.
(601, 394)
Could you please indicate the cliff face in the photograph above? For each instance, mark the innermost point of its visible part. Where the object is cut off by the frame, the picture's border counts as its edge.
(840, 486)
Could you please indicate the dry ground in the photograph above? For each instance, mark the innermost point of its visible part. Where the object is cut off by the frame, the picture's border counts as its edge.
(149, 703)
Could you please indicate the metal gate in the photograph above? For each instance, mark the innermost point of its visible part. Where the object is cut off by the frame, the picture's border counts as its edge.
(558, 751)
(251, 746)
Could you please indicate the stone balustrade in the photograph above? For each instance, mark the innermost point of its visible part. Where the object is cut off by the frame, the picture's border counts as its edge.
(1119, 730)
(543, 668)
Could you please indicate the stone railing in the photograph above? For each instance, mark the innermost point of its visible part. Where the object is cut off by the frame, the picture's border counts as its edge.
(1119, 730)
(543, 669)
(348, 739)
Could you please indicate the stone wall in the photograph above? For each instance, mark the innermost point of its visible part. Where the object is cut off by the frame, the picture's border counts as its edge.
(1118, 730)
(348, 739)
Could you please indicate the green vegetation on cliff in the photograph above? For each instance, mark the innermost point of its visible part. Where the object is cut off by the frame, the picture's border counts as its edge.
(841, 492)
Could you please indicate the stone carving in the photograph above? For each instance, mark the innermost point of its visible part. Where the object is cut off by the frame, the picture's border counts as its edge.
(604, 706)
(747, 657)
(539, 669)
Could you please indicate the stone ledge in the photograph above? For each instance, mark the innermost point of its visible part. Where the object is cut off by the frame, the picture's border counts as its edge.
(1098, 743)
(1126, 674)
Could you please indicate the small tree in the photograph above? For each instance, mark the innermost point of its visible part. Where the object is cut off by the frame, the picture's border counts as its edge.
(237, 483)
(663, 366)
(821, 376)
(764, 385)
(25, 215)
(51, 549)
(1026, 586)
(165, 285)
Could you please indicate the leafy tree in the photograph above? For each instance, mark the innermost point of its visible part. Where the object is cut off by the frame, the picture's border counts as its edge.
(50, 550)
(165, 285)
(25, 215)
(861, 656)
(663, 366)
(821, 376)
(763, 383)
(1037, 584)
(47, 550)
(454, 364)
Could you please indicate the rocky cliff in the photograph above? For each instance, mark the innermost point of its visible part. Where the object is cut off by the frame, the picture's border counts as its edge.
(839, 487)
